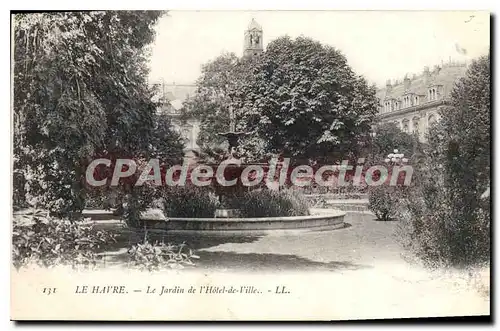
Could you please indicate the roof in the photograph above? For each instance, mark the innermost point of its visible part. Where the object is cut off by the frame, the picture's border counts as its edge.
(178, 92)
(445, 75)
(254, 25)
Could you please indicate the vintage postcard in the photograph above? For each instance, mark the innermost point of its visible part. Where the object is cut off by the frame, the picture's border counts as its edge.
(250, 165)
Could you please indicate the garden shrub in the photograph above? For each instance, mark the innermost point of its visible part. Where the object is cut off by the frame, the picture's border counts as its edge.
(136, 201)
(271, 203)
(438, 233)
(446, 220)
(47, 241)
(382, 202)
(154, 256)
(189, 201)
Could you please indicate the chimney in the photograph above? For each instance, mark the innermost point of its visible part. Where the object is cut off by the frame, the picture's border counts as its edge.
(407, 82)
(426, 75)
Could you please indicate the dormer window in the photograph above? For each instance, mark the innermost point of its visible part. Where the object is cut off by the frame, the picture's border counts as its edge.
(434, 92)
(389, 105)
(408, 100)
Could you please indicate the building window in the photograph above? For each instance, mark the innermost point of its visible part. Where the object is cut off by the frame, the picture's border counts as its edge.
(388, 106)
(415, 123)
(407, 101)
(416, 100)
(431, 120)
(432, 94)
(406, 125)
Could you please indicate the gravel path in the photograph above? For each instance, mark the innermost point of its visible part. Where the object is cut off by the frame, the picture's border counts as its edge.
(365, 269)
(362, 265)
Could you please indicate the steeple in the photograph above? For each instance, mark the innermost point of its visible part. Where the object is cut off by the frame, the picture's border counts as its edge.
(253, 39)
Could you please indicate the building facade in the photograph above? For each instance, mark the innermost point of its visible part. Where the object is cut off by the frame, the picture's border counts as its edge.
(172, 97)
(413, 103)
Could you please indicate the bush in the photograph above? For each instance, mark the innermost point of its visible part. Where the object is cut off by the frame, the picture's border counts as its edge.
(433, 230)
(382, 202)
(445, 217)
(46, 241)
(155, 256)
(189, 201)
(137, 201)
(270, 203)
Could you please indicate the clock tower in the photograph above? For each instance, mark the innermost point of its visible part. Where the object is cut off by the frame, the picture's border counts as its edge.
(253, 39)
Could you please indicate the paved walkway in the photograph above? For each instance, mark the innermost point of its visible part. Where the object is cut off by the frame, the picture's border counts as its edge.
(362, 264)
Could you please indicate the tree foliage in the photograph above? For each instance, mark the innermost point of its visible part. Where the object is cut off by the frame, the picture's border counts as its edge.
(449, 220)
(80, 90)
(218, 92)
(306, 102)
(299, 99)
(389, 137)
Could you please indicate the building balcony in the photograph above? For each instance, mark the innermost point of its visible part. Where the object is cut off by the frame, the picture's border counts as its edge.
(411, 109)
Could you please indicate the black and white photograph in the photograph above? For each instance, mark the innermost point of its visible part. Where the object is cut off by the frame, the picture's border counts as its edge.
(242, 165)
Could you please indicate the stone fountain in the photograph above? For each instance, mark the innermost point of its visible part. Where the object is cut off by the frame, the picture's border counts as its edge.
(228, 221)
(232, 172)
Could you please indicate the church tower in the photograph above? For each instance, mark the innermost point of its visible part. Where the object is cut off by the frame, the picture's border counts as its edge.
(253, 39)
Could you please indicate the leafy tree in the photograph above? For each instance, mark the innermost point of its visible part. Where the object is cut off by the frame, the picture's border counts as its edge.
(80, 90)
(449, 220)
(218, 92)
(389, 137)
(305, 101)
(299, 99)
(467, 133)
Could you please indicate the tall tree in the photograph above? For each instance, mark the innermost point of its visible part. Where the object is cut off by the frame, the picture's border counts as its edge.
(80, 90)
(449, 212)
(216, 98)
(299, 99)
(306, 102)
(466, 142)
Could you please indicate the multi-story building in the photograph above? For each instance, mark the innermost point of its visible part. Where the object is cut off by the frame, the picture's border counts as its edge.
(413, 103)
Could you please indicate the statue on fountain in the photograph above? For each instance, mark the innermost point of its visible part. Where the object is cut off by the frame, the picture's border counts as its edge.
(232, 136)
(232, 171)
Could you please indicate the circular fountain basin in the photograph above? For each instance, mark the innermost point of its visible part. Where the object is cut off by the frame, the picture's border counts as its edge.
(320, 221)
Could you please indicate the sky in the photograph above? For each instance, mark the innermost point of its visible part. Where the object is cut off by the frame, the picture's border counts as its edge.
(379, 45)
